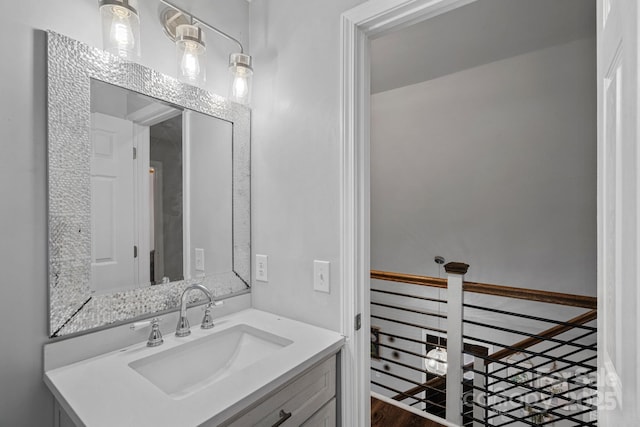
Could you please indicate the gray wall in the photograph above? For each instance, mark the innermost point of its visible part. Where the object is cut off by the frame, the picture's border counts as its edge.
(166, 147)
(296, 154)
(494, 166)
(211, 193)
(24, 400)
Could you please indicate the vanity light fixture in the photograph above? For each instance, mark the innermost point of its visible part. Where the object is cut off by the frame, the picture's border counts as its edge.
(184, 29)
(240, 72)
(120, 28)
(190, 49)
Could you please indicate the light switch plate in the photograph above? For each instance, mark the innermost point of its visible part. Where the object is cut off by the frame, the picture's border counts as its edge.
(262, 268)
(199, 259)
(321, 279)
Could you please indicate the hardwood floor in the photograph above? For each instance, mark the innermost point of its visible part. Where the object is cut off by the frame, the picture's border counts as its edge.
(384, 414)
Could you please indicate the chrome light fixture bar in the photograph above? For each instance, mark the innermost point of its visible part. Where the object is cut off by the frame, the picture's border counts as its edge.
(190, 44)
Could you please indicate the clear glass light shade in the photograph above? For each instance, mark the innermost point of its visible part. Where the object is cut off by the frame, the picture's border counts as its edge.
(120, 28)
(190, 53)
(436, 361)
(240, 75)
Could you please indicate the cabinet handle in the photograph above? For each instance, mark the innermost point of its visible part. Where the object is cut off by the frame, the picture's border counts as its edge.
(284, 416)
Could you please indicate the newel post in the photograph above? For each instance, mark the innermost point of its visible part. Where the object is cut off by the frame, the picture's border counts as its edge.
(455, 298)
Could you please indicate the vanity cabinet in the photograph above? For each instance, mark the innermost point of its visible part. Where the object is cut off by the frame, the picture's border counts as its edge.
(308, 400)
(267, 371)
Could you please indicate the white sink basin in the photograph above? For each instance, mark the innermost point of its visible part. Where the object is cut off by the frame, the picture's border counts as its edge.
(188, 368)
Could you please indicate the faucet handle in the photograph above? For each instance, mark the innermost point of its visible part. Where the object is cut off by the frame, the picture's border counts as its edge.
(207, 320)
(155, 337)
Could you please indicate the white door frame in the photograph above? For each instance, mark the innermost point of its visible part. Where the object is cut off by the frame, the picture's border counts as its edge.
(359, 25)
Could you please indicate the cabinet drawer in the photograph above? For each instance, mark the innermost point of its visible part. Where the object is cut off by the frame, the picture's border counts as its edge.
(325, 417)
(296, 402)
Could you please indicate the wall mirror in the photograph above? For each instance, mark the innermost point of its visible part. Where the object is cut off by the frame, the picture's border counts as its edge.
(149, 190)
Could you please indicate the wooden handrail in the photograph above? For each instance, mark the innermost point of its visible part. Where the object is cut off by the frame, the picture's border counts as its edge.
(409, 278)
(549, 333)
(506, 352)
(558, 298)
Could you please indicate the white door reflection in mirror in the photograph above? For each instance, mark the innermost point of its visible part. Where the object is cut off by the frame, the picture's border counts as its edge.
(112, 203)
(136, 190)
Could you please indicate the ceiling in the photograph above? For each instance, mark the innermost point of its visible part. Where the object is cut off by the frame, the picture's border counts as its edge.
(478, 33)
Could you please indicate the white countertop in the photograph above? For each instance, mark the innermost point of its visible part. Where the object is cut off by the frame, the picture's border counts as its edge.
(105, 391)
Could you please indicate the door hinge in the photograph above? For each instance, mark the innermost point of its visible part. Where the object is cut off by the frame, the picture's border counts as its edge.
(135, 153)
(358, 322)
(135, 251)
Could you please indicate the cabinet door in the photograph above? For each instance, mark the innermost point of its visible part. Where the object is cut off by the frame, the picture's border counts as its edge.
(325, 417)
(296, 402)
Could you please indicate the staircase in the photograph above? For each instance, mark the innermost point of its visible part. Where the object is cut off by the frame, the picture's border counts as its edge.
(522, 362)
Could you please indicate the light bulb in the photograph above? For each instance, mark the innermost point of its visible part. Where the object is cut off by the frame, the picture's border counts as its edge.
(121, 33)
(190, 63)
(240, 87)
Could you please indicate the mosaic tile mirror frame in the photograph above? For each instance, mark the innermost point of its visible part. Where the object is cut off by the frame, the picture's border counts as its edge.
(74, 305)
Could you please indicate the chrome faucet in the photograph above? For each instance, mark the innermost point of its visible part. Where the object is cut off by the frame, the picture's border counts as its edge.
(182, 330)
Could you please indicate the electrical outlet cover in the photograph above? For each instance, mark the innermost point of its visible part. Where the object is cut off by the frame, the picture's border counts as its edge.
(262, 268)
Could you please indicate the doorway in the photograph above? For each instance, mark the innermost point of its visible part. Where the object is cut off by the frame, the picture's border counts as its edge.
(475, 142)
(360, 26)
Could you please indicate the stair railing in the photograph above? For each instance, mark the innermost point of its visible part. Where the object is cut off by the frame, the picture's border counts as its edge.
(542, 378)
